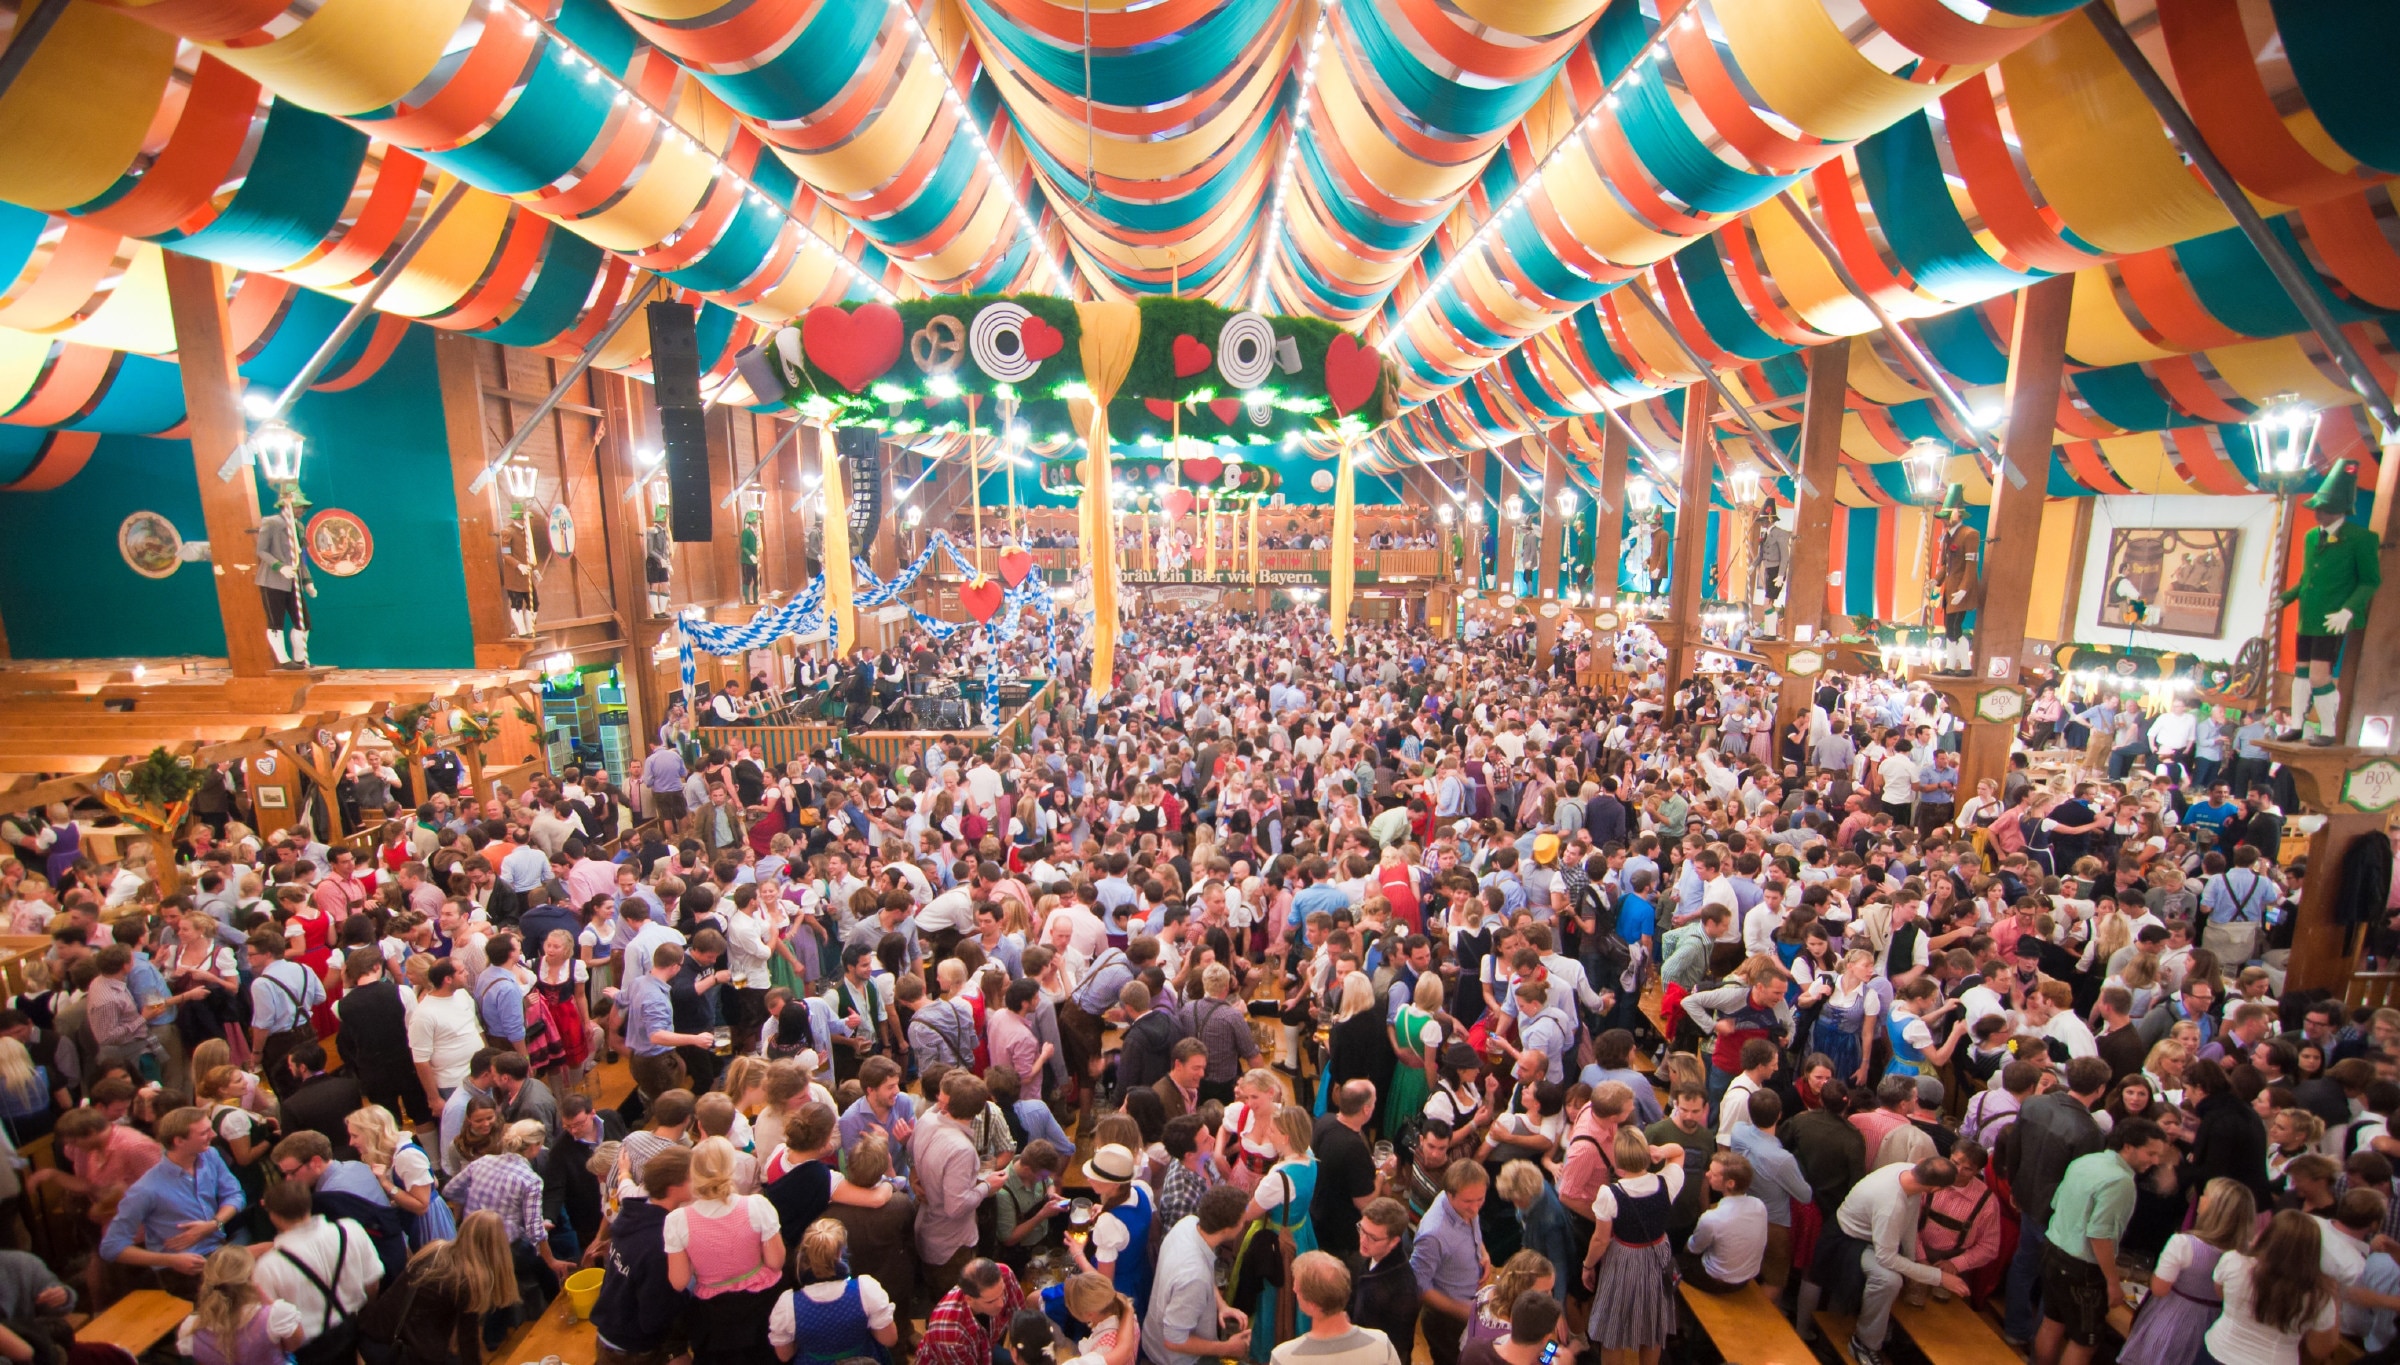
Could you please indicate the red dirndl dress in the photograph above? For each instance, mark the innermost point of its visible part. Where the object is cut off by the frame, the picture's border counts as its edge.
(316, 950)
(562, 1042)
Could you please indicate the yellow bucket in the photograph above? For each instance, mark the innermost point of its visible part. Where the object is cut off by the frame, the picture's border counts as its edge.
(583, 1290)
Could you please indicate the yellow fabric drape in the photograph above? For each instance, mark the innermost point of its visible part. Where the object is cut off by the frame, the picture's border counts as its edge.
(1208, 530)
(1254, 542)
(1345, 542)
(840, 586)
(1111, 332)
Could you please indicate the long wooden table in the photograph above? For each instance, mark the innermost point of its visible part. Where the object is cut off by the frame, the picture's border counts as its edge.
(138, 1321)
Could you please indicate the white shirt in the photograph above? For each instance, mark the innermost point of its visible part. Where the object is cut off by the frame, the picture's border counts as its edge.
(953, 909)
(2066, 1028)
(1604, 1204)
(1732, 1239)
(317, 1244)
(1899, 780)
(2236, 1335)
(444, 1033)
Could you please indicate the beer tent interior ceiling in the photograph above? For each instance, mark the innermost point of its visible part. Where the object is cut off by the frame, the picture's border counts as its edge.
(1538, 209)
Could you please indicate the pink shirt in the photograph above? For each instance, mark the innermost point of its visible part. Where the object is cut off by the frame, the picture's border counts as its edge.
(127, 1155)
(1013, 1044)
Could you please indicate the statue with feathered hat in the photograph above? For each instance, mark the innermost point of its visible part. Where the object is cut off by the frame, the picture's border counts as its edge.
(2340, 569)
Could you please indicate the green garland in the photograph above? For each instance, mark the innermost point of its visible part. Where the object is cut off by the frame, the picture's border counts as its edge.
(905, 397)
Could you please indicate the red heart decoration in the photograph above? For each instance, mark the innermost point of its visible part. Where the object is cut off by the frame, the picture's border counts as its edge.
(1191, 356)
(1226, 409)
(855, 348)
(1014, 565)
(1160, 408)
(1041, 340)
(1350, 372)
(981, 599)
(1178, 502)
(1206, 469)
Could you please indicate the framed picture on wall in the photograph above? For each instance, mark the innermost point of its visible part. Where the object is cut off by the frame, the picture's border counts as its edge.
(268, 798)
(2173, 580)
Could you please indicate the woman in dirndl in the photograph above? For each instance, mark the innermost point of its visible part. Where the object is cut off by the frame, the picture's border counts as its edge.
(1846, 1018)
(727, 1249)
(831, 1315)
(1630, 1267)
(2184, 1297)
(1245, 1142)
(564, 1048)
(1279, 1209)
(1416, 1038)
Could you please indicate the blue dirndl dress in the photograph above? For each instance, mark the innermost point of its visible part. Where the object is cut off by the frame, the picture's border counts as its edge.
(1291, 1216)
(1907, 1058)
(1840, 1034)
(828, 1333)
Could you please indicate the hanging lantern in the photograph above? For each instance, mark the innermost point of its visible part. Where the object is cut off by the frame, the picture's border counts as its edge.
(2284, 433)
(1743, 488)
(518, 479)
(1926, 459)
(279, 449)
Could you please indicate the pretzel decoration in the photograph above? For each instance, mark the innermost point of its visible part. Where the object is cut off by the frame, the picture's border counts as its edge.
(938, 346)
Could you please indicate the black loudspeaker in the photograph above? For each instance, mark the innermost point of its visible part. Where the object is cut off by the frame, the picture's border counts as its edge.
(682, 426)
(683, 432)
(675, 354)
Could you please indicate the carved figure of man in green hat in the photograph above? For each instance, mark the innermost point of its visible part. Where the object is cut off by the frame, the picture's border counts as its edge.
(1961, 579)
(2339, 573)
(750, 546)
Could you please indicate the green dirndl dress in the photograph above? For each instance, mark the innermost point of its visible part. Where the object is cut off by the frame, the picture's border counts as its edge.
(1409, 1090)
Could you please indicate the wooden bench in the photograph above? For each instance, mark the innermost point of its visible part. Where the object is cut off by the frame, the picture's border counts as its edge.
(138, 1321)
(1834, 1329)
(1951, 1332)
(1746, 1327)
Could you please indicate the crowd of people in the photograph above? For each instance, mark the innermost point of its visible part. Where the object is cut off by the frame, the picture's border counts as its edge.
(1274, 1001)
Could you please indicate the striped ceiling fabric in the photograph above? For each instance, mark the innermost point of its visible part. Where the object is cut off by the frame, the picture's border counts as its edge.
(1473, 185)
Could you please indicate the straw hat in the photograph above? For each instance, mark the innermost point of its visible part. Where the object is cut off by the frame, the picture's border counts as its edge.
(1113, 1163)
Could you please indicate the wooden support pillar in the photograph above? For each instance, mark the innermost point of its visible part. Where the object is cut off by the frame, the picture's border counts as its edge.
(1691, 535)
(1545, 619)
(2353, 787)
(1810, 564)
(212, 396)
(2037, 347)
(1608, 547)
(458, 367)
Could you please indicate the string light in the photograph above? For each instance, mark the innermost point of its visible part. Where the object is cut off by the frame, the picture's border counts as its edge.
(1291, 157)
(594, 73)
(1628, 79)
(1001, 179)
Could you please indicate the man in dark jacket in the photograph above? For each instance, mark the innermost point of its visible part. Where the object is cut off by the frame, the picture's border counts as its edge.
(372, 1039)
(1831, 1152)
(640, 1316)
(1147, 1052)
(1383, 1291)
(2050, 1132)
(318, 1102)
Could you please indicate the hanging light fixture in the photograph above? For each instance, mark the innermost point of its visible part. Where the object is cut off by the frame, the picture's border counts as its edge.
(279, 449)
(1445, 513)
(1743, 488)
(1926, 459)
(2284, 433)
(1640, 493)
(1566, 502)
(518, 479)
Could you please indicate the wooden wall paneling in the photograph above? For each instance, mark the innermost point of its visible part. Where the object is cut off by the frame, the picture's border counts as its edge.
(212, 395)
(616, 537)
(482, 521)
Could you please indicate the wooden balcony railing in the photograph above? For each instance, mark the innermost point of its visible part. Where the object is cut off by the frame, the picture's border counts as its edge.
(1425, 563)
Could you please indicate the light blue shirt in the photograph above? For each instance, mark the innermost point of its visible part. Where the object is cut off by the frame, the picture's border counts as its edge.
(1448, 1255)
(647, 1011)
(148, 986)
(273, 1011)
(1775, 1176)
(524, 869)
(501, 1006)
(156, 1206)
(2240, 891)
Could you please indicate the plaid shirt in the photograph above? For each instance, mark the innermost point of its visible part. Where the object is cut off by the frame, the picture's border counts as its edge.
(955, 1335)
(1179, 1194)
(508, 1185)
